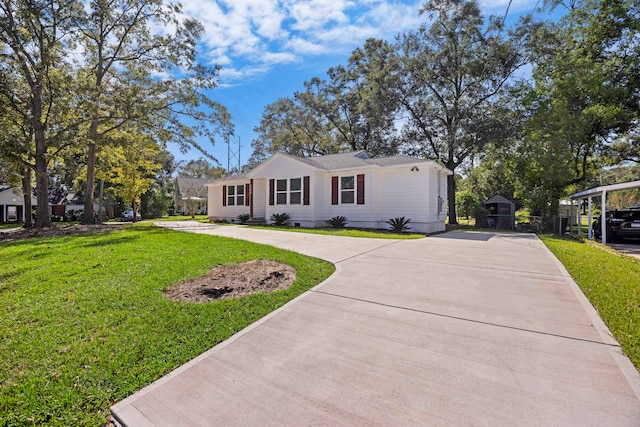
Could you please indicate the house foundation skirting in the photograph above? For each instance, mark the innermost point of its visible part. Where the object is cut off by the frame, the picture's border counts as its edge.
(415, 226)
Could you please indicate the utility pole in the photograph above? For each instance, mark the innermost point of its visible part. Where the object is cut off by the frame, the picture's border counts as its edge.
(233, 155)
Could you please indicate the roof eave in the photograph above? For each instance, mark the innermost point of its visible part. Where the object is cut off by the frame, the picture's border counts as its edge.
(597, 191)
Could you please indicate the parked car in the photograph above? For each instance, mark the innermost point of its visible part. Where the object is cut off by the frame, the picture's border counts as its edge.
(621, 224)
(128, 216)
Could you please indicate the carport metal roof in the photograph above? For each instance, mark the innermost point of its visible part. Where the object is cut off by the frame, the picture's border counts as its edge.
(602, 192)
(598, 191)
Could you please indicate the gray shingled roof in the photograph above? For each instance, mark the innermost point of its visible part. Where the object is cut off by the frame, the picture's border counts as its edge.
(395, 160)
(241, 176)
(498, 199)
(354, 159)
(340, 161)
(350, 160)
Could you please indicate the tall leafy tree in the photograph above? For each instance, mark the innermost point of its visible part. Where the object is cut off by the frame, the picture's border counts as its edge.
(586, 93)
(358, 102)
(35, 85)
(16, 167)
(157, 200)
(455, 72)
(129, 164)
(200, 168)
(353, 109)
(290, 126)
(133, 73)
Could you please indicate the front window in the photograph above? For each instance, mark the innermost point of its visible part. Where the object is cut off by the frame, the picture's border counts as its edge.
(295, 191)
(235, 195)
(240, 195)
(281, 192)
(231, 195)
(347, 189)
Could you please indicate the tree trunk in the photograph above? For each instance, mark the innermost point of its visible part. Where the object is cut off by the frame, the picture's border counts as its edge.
(43, 214)
(135, 211)
(89, 217)
(451, 199)
(26, 192)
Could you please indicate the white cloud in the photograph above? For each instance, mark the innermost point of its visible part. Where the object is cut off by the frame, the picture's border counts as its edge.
(250, 36)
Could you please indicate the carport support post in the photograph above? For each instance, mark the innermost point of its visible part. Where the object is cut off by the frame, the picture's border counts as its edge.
(590, 226)
(572, 218)
(580, 201)
(603, 215)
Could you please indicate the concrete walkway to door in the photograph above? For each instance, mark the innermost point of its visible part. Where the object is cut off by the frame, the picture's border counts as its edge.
(451, 330)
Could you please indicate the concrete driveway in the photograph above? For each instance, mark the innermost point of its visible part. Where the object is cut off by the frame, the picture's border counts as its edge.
(460, 329)
(627, 247)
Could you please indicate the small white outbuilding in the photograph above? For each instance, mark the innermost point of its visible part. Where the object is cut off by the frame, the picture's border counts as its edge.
(367, 191)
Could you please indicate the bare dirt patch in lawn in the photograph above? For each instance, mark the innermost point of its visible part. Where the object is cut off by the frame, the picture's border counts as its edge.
(56, 230)
(233, 281)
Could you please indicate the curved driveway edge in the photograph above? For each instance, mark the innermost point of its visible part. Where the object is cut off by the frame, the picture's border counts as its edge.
(455, 329)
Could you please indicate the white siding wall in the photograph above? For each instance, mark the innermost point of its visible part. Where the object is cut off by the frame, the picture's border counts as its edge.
(402, 193)
(358, 215)
(286, 168)
(216, 210)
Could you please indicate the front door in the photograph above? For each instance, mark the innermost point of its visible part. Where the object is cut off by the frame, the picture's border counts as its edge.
(259, 198)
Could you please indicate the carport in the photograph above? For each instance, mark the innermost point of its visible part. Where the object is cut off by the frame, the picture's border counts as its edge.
(600, 192)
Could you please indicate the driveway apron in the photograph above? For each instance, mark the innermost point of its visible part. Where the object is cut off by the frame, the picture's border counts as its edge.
(459, 329)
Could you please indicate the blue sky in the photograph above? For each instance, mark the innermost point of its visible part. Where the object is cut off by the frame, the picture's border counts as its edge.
(269, 48)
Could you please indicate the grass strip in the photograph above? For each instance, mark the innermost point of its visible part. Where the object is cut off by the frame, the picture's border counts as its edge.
(611, 282)
(84, 323)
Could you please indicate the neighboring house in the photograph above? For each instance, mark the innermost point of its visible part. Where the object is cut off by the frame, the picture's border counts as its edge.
(68, 206)
(12, 204)
(191, 196)
(367, 191)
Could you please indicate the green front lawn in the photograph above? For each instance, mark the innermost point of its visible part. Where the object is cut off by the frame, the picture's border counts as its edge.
(199, 218)
(84, 323)
(611, 282)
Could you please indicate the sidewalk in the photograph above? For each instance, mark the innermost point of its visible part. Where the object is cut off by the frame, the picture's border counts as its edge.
(455, 329)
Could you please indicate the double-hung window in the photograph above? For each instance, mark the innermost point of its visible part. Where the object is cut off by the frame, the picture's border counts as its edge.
(281, 192)
(289, 191)
(295, 191)
(235, 195)
(347, 189)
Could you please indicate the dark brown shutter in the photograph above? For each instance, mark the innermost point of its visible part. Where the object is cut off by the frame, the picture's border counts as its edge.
(305, 190)
(272, 189)
(247, 189)
(224, 195)
(334, 190)
(360, 189)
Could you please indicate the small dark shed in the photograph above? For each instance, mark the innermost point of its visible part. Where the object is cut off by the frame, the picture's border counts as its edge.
(502, 213)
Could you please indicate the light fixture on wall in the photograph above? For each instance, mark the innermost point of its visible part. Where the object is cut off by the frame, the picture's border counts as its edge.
(414, 169)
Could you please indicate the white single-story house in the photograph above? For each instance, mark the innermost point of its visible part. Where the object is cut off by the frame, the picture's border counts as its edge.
(367, 191)
(12, 204)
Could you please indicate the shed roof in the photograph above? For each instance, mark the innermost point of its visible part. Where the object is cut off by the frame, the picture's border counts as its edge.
(498, 199)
